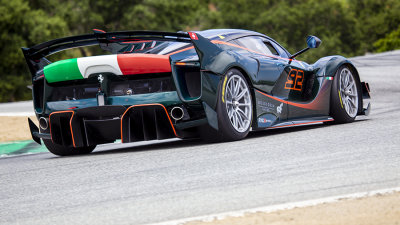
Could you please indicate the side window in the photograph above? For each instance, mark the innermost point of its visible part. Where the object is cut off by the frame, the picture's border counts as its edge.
(254, 44)
(279, 49)
(271, 48)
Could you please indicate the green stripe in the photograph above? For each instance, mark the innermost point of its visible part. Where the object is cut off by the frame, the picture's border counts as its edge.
(62, 70)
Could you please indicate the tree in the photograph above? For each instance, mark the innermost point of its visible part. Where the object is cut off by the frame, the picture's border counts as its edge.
(346, 27)
(390, 42)
(20, 25)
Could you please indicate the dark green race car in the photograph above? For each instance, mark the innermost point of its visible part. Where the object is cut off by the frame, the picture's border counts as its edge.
(215, 84)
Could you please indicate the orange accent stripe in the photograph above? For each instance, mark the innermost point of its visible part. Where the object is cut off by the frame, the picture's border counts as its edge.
(182, 50)
(366, 86)
(180, 63)
(269, 96)
(297, 124)
(173, 128)
(99, 30)
(70, 124)
(304, 106)
(128, 42)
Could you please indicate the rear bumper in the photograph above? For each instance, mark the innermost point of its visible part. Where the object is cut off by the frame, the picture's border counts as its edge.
(105, 124)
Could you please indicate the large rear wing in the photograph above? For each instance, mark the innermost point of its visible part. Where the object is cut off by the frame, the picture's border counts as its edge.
(35, 56)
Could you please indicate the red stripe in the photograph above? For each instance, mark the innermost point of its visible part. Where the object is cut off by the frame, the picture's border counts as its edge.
(131, 64)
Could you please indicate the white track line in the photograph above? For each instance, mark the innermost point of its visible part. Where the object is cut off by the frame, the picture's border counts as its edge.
(273, 208)
(17, 114)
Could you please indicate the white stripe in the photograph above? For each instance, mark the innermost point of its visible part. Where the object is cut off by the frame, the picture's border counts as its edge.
(98, 64)
(274, 208)
(17, 113)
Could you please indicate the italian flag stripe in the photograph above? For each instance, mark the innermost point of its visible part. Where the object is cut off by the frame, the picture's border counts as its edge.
(62, 70)
(129, 64)
(99, 64)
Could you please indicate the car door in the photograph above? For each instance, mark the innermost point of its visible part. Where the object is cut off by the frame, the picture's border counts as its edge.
(270, 105)
(290, 84)
(304, 88)
(270, 68)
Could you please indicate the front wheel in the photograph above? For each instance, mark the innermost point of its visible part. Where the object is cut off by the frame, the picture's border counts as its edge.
(345, 100)
(65, 151)
(234, 109)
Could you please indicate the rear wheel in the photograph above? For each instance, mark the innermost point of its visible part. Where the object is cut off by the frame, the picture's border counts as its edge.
(234, 109)
(65, 151)
(345, 100)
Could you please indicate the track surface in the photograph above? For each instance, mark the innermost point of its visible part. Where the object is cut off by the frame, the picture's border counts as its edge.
(138, 184)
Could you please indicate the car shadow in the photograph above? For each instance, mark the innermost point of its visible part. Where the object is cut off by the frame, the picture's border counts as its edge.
(184, 143)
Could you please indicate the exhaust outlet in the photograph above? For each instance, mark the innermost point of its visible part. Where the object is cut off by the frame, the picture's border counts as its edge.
(43, 124)
(177, 113)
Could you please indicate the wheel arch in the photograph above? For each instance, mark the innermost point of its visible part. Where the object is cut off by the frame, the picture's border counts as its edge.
(251, 87)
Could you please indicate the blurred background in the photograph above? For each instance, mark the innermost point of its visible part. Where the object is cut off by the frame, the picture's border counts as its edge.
(346, 27)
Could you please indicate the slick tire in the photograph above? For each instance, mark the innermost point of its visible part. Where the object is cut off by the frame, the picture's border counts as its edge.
(234, 109)
(345, 96)
(66, 151)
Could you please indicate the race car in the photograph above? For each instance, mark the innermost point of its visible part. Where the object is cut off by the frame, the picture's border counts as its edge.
(217, 84)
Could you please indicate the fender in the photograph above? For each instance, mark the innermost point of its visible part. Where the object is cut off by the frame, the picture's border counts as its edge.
(327, 66)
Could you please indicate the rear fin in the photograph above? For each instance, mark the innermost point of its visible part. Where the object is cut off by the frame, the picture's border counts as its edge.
(206, 50)
(34, 131)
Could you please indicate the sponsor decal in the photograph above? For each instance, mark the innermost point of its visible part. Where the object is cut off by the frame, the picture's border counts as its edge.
(266, 120)
(295, 80)
(266, 106)
(220, 36)
(279, 108)
(329, 78)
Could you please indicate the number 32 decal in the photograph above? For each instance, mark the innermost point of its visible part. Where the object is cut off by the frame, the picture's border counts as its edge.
(295, 80)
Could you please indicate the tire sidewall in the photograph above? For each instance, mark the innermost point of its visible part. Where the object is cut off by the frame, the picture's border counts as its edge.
(337, 108)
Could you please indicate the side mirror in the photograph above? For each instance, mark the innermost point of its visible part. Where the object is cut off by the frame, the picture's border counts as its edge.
(313, 42)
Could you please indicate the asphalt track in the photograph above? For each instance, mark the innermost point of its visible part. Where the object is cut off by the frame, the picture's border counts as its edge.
(149, 183)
